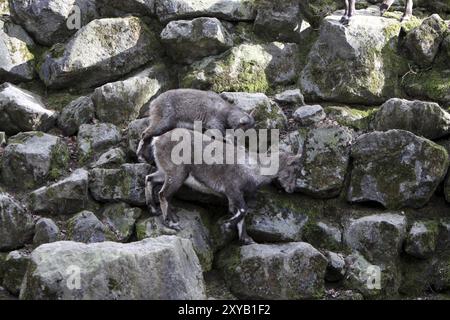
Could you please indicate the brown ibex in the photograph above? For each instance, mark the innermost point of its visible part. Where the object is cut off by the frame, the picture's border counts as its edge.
(350, 10)
(236, 182)
(180, 108)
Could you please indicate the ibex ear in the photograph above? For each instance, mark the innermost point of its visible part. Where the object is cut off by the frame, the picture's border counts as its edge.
(244, 120)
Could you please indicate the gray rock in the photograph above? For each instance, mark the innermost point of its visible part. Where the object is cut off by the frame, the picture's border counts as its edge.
(2, 139)
(87, 228)
(134, 132)
(16, 264)
(121, 102)
(46, 231)
(314, 11)
(245, 68)
(242, 10)
(101, 51)
(161, 268)
(308, 115)
(367, 48)
(425, 119)
(51, 21)
(94, 139)
(21, 110)
(120, 218)
(194, 226)
(4, 7)
(64, 197)
(124, 184)
(16, 226)
(378, 237)
(267, 113)
(325, 159)
(32, 158)
(422, 239)
(323, 235)
(78, 112)
(336, 267)
(278, 20)
(287, 271)
(110, 159)
(206, 35)
(16, 59)
(360, 120)
(396, 168)
(292, 97)
(422, 43)
(138, 7)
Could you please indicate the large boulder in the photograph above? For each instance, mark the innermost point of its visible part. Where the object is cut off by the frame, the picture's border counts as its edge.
(247, 68)
(52, 21)
(77, 112)
(232, 10)
(356, 63)
(425, 119)
(314, 11)
(120, 102)
(267, 113)
(94, 139)
(32, 158)
(160, 268)
(396, 168)
(64, 197)
(16, 59)
(207, 35)
(16, 225)
(101, 51)
(325, 159)
(125, 184)
(278, 20)
(21, 110)
(422, 43)
(286, 271)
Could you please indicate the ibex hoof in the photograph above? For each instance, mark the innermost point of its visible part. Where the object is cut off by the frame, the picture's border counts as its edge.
(405, 18)
(173, 225)
(383, 9)
(246, 241)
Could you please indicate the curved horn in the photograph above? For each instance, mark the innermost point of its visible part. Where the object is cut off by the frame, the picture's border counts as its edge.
(253, 112)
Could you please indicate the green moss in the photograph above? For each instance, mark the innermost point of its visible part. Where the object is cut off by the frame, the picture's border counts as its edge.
(428, 85)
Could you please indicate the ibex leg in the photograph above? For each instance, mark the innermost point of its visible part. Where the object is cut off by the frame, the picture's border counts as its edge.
(408, 11)
(385, 6)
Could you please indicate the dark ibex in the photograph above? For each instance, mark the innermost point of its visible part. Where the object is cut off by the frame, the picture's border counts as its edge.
(180, 108)
(233, 181)
(350, 10)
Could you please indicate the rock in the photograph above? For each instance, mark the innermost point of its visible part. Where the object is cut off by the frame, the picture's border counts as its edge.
(294, 142)
(2, 139)
(5, 295)
(323, 235)
(17, 61)
(4, 8)
(314, 11)
(134, 132)
(267, 114)
(396, 168)
(120, 102)
(21, 110)
(111, 159)
(356, 119)
(207, 35)
(120, 219)
(325, 159)
(64, 197)
(78, 112)
(93, 139)
(278, 20)
(422, 43)
(194, 226)
(245, 68)
(15, 267)
(430, 85)
(425, 119)
(241, 10)
(101, 51)
(379, 238)
(87, 228)
(367, 48)
(138, 7)
(308, 115)
(292, 97)
(161, 268)
(2, 265)
(52, 21)
(287, 271)
(421, 240)
(336, 267)
(32, 158)
(46, 231)
(16, 226)
(125, 184)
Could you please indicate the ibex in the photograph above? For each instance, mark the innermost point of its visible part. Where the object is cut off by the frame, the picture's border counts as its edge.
(350, 10)
(179, 108)
(236, 182)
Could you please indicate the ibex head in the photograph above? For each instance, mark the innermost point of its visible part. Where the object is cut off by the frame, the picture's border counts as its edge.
(238, 119)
